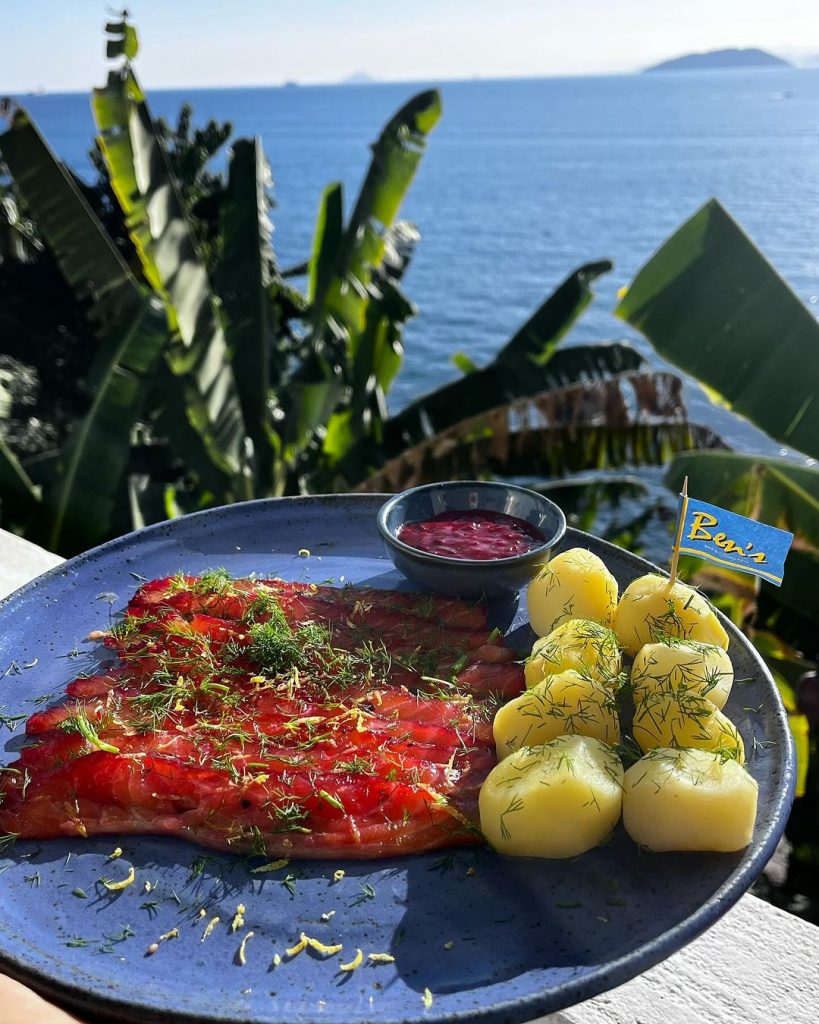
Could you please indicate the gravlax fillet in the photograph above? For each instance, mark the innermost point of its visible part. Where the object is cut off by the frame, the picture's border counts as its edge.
(276, 718)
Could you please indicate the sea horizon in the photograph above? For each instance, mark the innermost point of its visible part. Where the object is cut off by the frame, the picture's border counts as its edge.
(425, 82)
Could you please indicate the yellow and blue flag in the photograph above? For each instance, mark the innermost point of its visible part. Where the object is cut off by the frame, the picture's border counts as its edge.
(734, 541)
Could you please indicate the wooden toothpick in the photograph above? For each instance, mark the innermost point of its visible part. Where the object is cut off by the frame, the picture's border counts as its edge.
(675, 554)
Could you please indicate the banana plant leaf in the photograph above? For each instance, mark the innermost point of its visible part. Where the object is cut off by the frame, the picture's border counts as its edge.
(242, 277)
(160, 231)
(354, 435)
(123, 41)
(635, 419)
(519, 369)
(94, 460)
(79, 497)
(711, 304)
(341, 276)
(316, 387)
(110, 106)
(88, 258)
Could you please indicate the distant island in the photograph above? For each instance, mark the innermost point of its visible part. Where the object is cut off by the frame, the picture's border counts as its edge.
(358, 78)
(750, 58)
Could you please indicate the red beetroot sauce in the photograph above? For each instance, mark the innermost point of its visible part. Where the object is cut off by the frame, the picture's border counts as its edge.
(475, 534)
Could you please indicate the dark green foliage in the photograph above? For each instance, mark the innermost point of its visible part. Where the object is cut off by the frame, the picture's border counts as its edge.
(177, 368)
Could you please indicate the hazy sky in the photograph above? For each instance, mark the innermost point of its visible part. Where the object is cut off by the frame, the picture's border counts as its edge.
(57, 44)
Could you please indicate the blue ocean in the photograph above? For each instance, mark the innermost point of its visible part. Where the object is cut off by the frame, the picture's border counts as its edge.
(525, 179)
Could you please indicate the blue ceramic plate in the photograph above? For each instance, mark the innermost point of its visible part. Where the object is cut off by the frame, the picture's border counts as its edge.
(509, 941)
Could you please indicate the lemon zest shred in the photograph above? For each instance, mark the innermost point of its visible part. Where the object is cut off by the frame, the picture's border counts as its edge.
(353, 964)
(321, 947)
(338, 875)
(276, 959)
(242, 947)
(426, 998)
(123, 883)
(381, 958)
(274, 865)
(299, 946)
(209, 927)
(117, 853)
(238, 918)
(154, 946)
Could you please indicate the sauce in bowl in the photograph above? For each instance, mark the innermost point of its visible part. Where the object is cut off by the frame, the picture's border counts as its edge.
(476, 534)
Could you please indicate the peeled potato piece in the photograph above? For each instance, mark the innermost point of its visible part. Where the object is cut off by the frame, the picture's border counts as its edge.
(581, 644)
(555, 800)
(652, 607)
(661, 720)
(689, 800)
(681, 666)
(574, 585)
(565, 703)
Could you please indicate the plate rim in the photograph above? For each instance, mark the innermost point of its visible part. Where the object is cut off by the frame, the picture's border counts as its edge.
(599, 979)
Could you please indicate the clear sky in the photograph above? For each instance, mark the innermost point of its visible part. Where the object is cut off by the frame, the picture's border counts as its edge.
(57, 44)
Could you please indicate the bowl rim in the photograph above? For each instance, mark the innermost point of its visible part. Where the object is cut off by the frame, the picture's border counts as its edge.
(470, 563)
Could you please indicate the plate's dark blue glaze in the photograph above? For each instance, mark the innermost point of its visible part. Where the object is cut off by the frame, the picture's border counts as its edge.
(510, 941)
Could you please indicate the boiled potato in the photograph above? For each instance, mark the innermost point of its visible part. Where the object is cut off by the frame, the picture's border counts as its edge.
(581, 644)
(651, 606)
(681, 666)
(662, 720)
(555, 800)
(574, 585)
(689, 800)
(565, 703)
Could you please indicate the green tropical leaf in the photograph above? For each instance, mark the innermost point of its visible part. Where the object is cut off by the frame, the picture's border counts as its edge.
(461, 361)
(80, 495)
(573, 364)
(111, 107)
(88, 258)
(632, 420)
(161, 234)
(356, 432)
(343, 281)
(95, 457)
(316, 387)
(710, 303)
(242, 277)
(520, 368)
(123, 41)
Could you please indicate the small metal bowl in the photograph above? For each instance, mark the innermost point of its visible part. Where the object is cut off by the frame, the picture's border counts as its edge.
(469, 577)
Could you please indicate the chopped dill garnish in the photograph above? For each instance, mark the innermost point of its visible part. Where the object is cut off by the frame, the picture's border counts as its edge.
(81, 894)
(9, 721)
(367, 893)
(79, 723)
(289, 882)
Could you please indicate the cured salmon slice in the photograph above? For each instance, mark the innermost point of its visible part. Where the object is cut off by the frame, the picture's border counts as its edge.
(275, 718)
